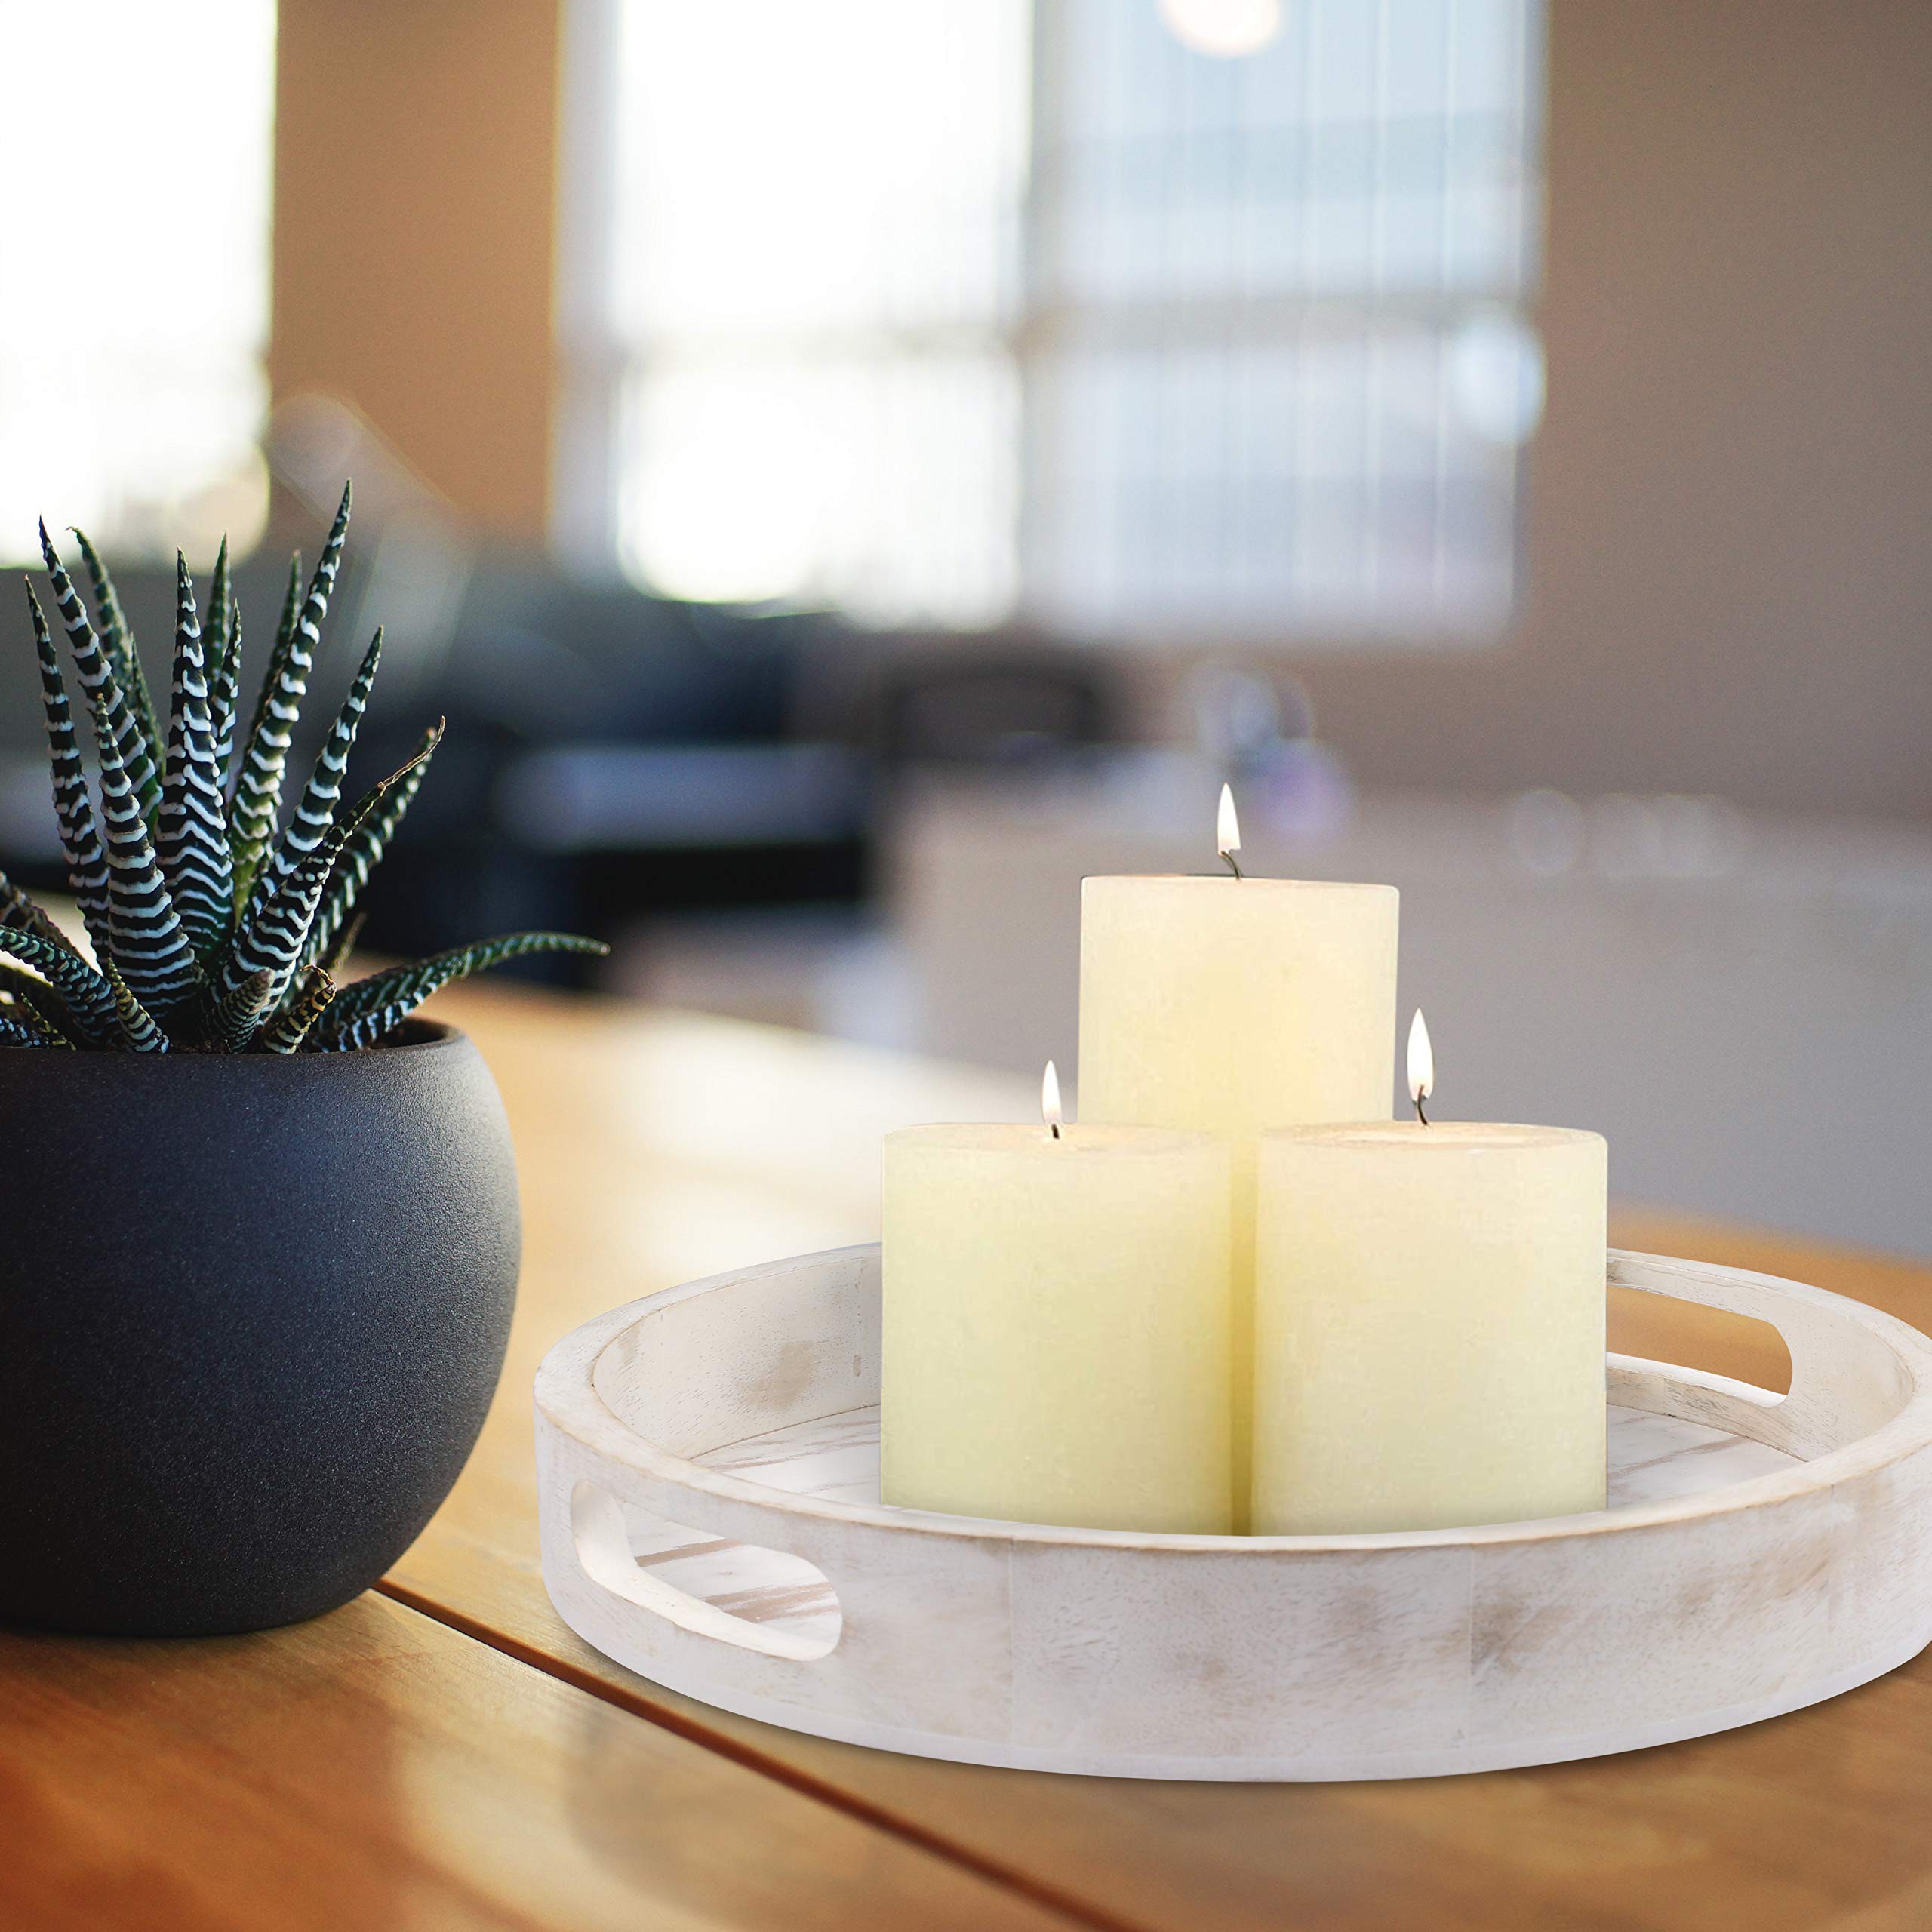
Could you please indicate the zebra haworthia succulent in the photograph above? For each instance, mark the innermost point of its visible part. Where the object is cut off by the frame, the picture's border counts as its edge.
(214, 926)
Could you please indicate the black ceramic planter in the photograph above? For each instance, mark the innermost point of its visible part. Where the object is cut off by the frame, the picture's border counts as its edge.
(252, 1311)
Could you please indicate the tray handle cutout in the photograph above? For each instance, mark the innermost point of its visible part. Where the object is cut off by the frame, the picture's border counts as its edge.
(763, 1586)
(1693, 1334)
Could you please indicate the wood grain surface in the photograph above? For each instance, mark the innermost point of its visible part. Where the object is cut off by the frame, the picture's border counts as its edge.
(373, 1768)
(657, 1148)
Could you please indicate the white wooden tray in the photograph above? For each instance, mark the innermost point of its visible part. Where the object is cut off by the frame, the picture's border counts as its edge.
(707, 1469)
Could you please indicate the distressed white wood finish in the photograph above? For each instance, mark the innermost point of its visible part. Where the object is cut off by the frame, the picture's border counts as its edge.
(708, 1480)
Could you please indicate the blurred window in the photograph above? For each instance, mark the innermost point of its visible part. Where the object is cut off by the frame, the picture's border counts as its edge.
(942, 313)
(132, 393)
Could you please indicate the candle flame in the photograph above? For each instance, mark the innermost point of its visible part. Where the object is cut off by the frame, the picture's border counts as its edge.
(1050, 1111)
(1227, 827)
(1422, 1060)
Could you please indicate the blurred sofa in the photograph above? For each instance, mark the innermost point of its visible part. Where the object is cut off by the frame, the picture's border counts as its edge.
(611, 757)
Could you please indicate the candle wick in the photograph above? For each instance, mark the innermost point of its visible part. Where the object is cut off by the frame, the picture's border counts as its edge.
(1420, 1115)
(1232, 863)
(1055, 1126)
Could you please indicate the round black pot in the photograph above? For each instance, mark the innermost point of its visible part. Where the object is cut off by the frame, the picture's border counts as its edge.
(252, 1311)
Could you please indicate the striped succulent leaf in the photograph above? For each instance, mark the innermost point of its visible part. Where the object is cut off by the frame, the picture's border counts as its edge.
(18, 1033)
(221, 608)
(287, 1031)
(265, 752)
(273, 900)
(255, 787)
(115, 722)
(272, 920)
(270, 937)
(239, 1012)
(144, 933)
(137, 1026)
(274, 929)
(87, 996)
(38, 1006)
(314, 811)
(224, 689)
(73, 806)
(17, 909)
(367, 1009)
(192, 841)
(219, 639)
(118, 634)
(291, 606)
(20, 913)
(363, 852)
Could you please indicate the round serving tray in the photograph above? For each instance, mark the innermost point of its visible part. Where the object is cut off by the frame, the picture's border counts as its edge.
(707, 1464)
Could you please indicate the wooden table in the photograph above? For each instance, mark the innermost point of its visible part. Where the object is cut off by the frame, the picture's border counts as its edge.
(443, 1753)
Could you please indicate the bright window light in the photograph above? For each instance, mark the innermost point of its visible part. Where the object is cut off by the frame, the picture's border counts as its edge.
(135, 168)
(1156, 320)
(816, 218)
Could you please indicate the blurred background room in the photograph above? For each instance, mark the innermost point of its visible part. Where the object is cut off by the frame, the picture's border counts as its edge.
(847, 468)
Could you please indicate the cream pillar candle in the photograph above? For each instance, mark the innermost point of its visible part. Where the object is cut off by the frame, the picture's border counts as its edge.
(1229, 1005)
(1056, 1326)
(1429, 1338)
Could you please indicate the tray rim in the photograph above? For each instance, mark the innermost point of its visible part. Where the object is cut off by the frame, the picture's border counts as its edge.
(567, 1396)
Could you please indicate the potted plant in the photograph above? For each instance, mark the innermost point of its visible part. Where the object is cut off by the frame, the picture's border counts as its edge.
(259, 1234)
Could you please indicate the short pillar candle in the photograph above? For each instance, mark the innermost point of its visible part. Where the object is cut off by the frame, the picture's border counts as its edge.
(1428, 1344)
(1056, 1326)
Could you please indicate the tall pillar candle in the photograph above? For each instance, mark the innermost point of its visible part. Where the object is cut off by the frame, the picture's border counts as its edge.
(1228, 1005)
(1429, 1338)
(1056, 1326)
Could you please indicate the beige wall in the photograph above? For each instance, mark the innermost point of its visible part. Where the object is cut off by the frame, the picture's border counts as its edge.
(1729, 513)
(1730, 510)
(415, 163)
